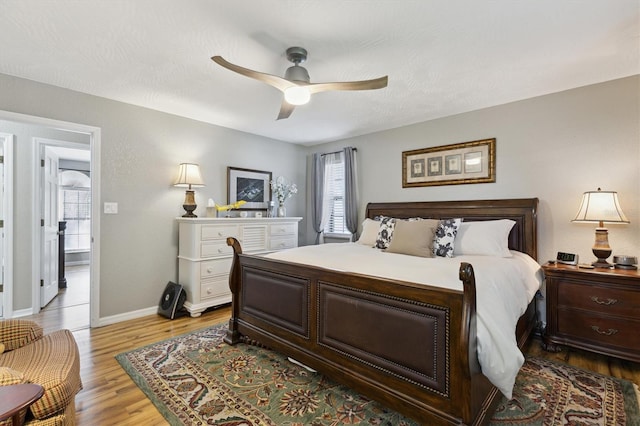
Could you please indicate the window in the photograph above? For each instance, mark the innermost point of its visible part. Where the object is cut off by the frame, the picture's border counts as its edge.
(76, 210)
(334, 220)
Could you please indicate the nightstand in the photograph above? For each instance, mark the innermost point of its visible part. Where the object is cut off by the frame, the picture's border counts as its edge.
(593, 309)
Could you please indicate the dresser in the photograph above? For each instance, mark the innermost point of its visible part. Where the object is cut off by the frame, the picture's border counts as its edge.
(593, 309)
(204, 259)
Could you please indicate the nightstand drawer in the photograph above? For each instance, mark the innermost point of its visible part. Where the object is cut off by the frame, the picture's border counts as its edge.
(603, 331)
(609, 301)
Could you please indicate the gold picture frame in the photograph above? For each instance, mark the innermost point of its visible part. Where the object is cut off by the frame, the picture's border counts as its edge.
(455, 164)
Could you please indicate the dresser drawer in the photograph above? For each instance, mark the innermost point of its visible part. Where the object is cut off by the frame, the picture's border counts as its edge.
(609, 301)
(219, 232)
(214, 288)
(282, 229)
(215, 267)
(605, 331)
(214, 249)
(283, 243)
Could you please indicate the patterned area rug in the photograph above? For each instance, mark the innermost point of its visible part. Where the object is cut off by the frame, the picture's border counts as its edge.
(198, 379)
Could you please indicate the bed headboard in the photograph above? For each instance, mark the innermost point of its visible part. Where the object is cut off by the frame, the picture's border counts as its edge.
(523, 211)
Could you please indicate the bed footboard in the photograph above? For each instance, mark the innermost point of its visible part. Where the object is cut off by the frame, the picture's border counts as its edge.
(410, 347)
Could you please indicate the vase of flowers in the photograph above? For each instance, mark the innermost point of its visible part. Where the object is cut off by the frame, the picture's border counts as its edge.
(282, 191)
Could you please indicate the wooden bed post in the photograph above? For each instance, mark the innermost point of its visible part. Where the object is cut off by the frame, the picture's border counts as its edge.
(233, 336)
(470, 366)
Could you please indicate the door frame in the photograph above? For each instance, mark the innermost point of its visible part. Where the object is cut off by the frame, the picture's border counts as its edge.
(7, 295)
(94, 146)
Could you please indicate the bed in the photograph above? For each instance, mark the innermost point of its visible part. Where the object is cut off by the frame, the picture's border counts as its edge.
(412, 347)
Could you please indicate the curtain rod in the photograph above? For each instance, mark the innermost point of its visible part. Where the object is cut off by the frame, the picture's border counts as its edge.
(335, 152)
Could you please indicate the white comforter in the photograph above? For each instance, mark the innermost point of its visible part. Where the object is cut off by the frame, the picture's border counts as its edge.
(504, 288)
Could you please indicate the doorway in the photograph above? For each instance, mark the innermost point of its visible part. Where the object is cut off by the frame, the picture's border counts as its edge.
(29, 134)
(65, 291)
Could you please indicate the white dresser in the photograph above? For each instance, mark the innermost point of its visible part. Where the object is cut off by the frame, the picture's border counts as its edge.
(204, 259)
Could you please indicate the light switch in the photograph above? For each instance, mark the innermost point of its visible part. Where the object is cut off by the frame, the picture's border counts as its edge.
(110, 208)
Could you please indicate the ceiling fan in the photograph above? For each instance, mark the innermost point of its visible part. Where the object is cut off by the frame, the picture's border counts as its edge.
(296, 85)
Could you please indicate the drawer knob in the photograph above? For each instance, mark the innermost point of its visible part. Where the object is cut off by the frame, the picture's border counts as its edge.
(209, 270)
(603, 302)
(609, 332)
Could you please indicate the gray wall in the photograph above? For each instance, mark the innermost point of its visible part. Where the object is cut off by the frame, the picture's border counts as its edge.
(140, 153)
(553, 147)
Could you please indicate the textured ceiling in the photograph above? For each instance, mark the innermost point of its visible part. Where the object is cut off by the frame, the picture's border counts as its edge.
(442, 57)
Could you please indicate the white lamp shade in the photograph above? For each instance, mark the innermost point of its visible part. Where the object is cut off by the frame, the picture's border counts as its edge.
(189, 175)
(600, 206)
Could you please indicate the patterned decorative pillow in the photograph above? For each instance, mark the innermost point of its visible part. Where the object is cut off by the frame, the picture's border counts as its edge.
(443, 241)
(385, 232)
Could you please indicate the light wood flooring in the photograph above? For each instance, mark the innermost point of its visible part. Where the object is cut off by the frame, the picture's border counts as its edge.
(110, 397)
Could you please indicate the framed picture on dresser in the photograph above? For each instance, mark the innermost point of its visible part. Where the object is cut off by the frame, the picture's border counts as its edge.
(251, 186)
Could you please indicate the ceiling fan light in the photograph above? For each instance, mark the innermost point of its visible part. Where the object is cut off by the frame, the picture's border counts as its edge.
(297, 95)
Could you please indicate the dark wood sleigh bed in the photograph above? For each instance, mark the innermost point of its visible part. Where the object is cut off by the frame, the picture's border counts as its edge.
(411, 347)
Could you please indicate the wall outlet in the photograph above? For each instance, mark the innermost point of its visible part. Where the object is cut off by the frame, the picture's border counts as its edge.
(110, 208)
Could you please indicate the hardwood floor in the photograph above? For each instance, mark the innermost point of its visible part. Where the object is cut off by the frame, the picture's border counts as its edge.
(110, 397)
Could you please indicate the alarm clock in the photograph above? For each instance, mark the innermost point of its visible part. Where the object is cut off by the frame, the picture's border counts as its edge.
(567, 258)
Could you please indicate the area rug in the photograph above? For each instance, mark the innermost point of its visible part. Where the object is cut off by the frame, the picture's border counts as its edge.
(197, 379)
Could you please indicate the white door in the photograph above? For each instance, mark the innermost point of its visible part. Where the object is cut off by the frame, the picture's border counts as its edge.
(49, 258)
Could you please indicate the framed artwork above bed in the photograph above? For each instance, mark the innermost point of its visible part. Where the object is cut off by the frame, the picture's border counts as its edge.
(252, 186)
(468, 162)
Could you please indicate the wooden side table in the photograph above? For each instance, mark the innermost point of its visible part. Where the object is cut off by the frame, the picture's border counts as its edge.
(15, 398)
(593, 309)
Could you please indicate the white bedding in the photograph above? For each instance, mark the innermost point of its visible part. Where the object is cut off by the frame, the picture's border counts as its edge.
(504, 288)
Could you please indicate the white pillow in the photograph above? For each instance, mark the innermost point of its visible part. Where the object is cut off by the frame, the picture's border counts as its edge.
(369, 232)
(484, 238)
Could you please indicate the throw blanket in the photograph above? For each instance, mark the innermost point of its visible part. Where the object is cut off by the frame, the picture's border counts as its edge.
(504, 288)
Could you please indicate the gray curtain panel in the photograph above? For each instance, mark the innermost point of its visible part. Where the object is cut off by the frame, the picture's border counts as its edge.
(350, 192)
(317, 190)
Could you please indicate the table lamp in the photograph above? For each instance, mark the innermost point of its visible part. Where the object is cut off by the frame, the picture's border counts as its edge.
(189, 176)
(601, 206)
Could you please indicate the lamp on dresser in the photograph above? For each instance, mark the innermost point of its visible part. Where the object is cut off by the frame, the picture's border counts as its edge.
(600, 207)
(189, 176)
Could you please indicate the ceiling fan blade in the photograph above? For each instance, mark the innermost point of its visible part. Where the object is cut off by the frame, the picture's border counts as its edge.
(376, 83)
(272, 80)
(285, 110)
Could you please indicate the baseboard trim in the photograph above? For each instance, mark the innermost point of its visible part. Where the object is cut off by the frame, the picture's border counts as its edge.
(22, 313)
(127, 316)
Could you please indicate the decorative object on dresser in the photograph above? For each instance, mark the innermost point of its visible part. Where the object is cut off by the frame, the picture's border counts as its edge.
(468, 162)
(593, 309)
(250, 186)
(282, 191)
(204, 259)
(601, 206)
(189, 176)
(625, 262)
